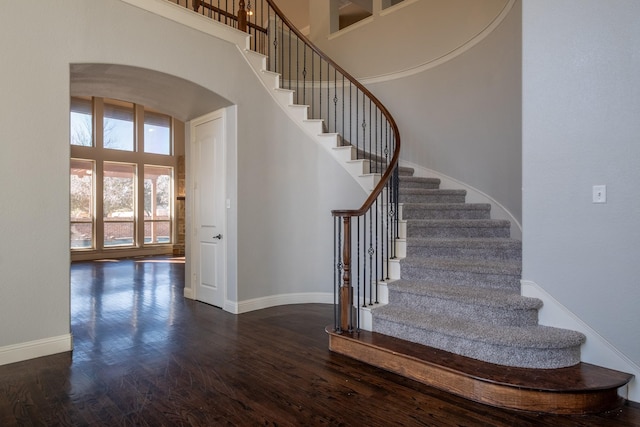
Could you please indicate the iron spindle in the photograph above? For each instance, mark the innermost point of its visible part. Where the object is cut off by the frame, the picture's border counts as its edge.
(376, 231)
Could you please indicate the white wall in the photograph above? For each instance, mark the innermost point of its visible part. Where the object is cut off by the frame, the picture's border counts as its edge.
(461, 117)
(37, 50)
(423, 31)
(581, 127)
(297, 11)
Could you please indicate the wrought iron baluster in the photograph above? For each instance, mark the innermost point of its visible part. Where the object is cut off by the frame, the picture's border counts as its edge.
(337, 259)
(320, 88)
(359, 260)
(377, 221)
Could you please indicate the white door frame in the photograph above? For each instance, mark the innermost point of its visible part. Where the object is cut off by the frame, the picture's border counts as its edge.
(192, 241)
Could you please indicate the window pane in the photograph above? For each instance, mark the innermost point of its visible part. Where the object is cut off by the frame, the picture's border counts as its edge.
(157, 204)
(119, 204)
(118, 234)
(118, 125)
(81, 122)
(157, 133)
(350, 12)
(389, 3)
(157, 232)
(81, 208)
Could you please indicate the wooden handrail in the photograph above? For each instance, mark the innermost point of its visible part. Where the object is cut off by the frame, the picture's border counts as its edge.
(346, 299)
(396, 155)
(229, 15)
(242, 17)
(347, 277)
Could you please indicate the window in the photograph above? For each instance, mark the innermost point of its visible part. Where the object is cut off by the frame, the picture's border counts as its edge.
(388, 3)
(118, 204)
(118, 125)
(346, 12)
(81, 122)
(157, 204)
(121, 180)
(82, 203)
(157, 133)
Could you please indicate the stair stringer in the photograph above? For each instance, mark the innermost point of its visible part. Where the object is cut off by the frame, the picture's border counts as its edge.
(596, 350)
(314, 128)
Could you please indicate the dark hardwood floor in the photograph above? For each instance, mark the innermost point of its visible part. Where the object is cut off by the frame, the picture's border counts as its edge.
(146, 356)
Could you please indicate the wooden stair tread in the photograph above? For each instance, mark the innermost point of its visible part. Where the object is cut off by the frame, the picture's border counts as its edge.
(579, 389)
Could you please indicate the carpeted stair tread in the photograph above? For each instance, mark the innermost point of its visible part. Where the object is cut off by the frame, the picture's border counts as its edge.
(469, 223)
(481, 248)
(464, 272)
(537, 336)
(446, 210)
(458, 228)
(485, 297)
(443, 212)
(510, 267)
(419, 182)
(480, 242)
(430, 195)
(449, 206)
(490, 306)
(432, 191)
(404, 171)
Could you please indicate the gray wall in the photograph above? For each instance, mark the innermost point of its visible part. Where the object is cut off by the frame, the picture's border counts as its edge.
(461, 118)
(581, 127)
(277, 249)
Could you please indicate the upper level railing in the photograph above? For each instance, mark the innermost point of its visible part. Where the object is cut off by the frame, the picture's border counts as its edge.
(364, 238)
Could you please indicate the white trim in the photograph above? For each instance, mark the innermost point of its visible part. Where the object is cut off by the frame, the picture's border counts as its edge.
(596, 350)
(38, 348)
(275, 300)
(447, 56)
(473, 195)
(176, 13)
(188, 293)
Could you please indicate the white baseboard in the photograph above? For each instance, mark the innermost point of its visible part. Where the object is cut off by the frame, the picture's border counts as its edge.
(275, 300)
(188, 293)
(38, 348)
(473, 195)
(596, 350)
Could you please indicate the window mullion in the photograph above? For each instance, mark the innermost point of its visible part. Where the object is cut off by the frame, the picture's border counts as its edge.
(98, 139)
(138, 127)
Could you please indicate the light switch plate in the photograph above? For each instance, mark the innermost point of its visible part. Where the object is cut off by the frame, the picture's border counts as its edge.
(599, 194)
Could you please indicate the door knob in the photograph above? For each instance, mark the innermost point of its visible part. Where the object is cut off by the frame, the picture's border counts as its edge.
(219, 237)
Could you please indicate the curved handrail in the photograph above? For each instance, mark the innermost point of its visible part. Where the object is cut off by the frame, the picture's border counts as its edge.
(347, 269)
(371, 230)
(368, 203)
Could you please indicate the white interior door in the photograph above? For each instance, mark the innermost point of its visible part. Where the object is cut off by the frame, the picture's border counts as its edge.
(209, 263)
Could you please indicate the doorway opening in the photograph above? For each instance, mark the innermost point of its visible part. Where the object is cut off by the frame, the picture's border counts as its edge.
(132, 89)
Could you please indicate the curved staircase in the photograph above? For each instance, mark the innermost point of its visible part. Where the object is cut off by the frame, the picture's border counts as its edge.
(456, 319)
(460, 286)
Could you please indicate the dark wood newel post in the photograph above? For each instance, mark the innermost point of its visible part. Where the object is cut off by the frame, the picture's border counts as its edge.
(345, 290)
(242, 17)
(196, 4)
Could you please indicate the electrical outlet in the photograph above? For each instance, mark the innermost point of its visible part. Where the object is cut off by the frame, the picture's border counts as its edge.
(599, 194)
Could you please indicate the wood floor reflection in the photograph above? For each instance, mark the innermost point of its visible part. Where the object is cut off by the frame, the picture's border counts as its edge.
(146, 356)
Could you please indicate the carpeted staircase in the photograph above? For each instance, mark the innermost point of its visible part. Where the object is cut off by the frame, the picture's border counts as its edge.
(460, 286)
